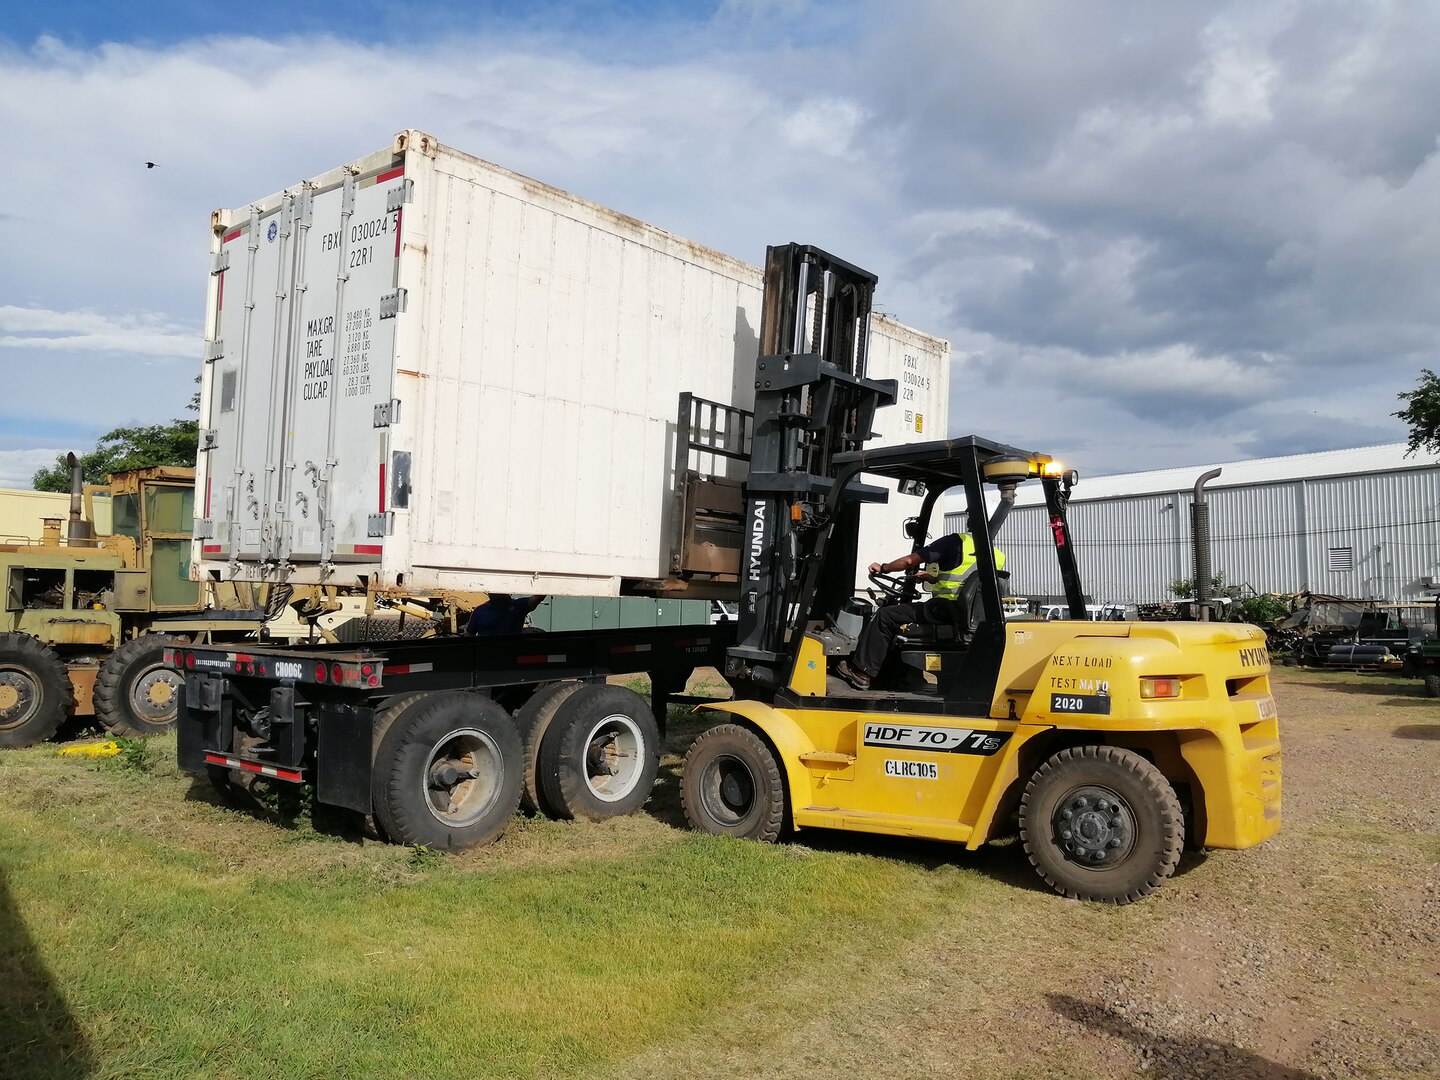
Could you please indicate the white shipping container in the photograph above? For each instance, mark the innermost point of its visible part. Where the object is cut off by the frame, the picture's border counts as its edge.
(425, 372)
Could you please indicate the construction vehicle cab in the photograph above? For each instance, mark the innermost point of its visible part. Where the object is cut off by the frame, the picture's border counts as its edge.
(1111, 741)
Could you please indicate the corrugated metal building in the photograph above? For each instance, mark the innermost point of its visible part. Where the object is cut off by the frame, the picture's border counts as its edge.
(1362, 523)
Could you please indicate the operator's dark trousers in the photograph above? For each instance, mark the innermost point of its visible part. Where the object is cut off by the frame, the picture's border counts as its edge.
(875, 639)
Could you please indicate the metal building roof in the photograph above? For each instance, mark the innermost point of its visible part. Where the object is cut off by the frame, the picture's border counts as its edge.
(1389, 457)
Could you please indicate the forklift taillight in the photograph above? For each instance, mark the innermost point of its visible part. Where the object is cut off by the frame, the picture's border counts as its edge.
(1163, 687)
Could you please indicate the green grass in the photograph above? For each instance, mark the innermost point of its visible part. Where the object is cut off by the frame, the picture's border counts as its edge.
(150, 934)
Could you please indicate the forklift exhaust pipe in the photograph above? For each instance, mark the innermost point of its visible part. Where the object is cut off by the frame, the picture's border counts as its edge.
(1200, 533)
(78, 532)
(1007, 503)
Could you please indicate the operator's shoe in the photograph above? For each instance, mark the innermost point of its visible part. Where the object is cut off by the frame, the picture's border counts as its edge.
(858, 679)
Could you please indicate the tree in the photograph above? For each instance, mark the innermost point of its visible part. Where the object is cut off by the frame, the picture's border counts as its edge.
(1422, 413)
(175, 443)
(1184, 588)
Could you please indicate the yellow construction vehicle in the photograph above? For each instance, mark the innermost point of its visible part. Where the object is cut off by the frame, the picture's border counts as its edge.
(89, 612)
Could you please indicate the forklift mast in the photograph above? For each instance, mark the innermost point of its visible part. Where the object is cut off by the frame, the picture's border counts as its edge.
(812, 402)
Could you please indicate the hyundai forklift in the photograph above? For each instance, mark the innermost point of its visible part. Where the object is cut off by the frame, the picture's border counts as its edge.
(1107, 745)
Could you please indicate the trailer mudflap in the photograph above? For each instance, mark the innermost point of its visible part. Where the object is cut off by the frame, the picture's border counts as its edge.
(342, 758)
(204, 722)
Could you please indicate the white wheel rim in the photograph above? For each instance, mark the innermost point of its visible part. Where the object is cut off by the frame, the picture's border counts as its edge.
(614, 757)
(461, 781)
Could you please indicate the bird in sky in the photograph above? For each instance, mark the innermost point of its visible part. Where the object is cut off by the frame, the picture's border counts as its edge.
(151, 165)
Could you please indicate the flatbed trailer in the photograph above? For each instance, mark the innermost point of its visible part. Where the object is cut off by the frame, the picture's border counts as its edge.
(319, 714)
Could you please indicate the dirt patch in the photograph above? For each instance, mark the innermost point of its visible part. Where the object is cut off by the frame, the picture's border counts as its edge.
(1315, 955)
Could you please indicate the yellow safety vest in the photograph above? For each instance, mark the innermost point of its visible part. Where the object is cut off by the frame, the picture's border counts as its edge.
(945, 584)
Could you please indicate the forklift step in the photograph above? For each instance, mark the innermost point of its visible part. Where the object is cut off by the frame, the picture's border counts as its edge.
(826, 757)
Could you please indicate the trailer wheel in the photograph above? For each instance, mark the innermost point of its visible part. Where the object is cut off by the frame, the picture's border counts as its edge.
(35, 691)
(1432, 685)
(1101, 823)
(136, 693)
(732, 785)
(447, 774)
(601, 754)
(387, 715)
(533, 722)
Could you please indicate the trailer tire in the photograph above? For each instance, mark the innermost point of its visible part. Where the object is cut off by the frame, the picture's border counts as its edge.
(447, 772)
(533, 722)
(1101, 823)
(1432, 685)
(601, 754)
(136, 693)
(35, 691)
(732, 785)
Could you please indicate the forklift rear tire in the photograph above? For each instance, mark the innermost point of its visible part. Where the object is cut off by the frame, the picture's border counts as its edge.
(601, 754)
(1432, 685)
(533, 722)
(447, 774)
(731, 785)
(1101, 823)
(35, 691)
(135, 692)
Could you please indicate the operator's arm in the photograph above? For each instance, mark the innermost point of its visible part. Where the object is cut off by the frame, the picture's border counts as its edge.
(905, 562)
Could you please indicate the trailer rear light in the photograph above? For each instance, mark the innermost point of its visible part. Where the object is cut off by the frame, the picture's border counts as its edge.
(322, 672)
(1167, 686)
(337, 674)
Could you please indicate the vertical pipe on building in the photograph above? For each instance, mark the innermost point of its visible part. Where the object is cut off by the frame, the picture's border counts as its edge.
(1200, 529)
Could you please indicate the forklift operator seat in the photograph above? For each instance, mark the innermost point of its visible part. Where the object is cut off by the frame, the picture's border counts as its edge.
(968, 613)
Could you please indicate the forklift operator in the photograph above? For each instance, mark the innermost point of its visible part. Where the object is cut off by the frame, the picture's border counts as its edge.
(948, 562)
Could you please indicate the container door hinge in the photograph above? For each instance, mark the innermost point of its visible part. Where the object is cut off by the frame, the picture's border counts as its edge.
(392, 304)
(220, 261)
(381, 524)
(399, 195)
(204, 529)
(214, 350)
(207, 438)
(387, 413)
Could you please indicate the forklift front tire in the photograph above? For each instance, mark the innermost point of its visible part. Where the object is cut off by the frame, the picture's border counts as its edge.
(1101, 823)
(732, 785)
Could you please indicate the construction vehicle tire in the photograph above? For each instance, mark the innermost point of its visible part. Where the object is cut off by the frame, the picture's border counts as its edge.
(1101, 823)
(601, 754)
(533, 722)
(35, 691)
(136, 692)
(447, 773)
(1432, 685)
(732, 785)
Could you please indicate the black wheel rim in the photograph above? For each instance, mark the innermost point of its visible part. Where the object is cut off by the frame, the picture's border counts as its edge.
(727, 791)
(1093, 827)
(20, 696)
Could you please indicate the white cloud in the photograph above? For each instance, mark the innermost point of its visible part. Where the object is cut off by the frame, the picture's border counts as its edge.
(18, 466)
(148, 333)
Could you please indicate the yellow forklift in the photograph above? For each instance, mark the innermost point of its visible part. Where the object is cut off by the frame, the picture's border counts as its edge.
(1111, 742)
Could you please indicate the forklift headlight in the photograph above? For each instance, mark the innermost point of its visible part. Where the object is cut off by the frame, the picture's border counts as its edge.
(1162, 686)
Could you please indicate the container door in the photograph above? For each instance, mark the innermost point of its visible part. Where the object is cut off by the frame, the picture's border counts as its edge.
(312, 385)
(333, 490)
(256, 269)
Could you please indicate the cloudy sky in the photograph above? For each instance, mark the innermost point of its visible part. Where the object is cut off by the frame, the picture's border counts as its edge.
(1155, 234)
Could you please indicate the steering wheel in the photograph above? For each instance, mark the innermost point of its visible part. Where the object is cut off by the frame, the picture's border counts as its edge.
(896, 588)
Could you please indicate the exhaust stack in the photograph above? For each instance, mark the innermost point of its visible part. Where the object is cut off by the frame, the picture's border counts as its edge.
(79, 532)
(1200, 534)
